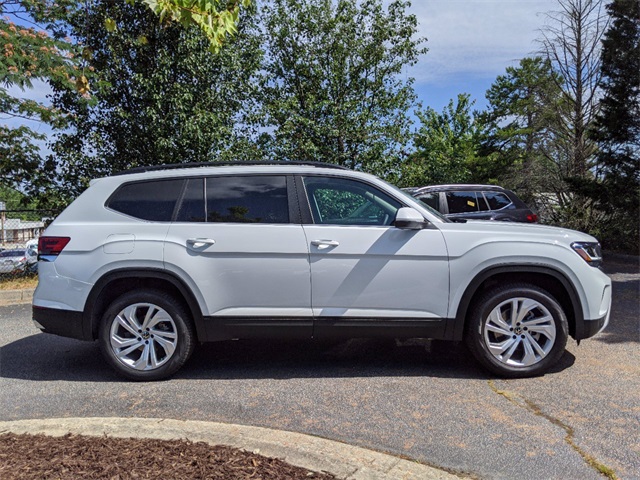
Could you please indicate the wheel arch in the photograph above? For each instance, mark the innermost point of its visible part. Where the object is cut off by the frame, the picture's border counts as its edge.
(545, 277)
(116, 282)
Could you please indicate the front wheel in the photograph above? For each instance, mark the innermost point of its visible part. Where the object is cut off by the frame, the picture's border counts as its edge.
(517, 331)
(146, 335)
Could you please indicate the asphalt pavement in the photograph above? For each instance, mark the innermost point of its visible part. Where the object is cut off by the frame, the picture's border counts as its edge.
(417, 400)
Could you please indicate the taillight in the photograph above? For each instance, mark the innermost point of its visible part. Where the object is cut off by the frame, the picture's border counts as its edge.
(532, 217)
(51, 246)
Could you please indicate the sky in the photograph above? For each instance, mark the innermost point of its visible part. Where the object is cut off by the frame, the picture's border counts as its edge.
(470, 43)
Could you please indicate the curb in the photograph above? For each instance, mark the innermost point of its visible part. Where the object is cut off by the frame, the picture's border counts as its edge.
(13, 297)
(314, 453)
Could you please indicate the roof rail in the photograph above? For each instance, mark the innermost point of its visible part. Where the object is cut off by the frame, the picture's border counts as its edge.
(174, 166)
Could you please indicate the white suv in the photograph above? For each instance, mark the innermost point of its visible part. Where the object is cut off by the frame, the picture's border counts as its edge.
(155, 260)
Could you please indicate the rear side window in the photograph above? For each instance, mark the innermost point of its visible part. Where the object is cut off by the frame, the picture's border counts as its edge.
(154, 201)
(258, 199)
(192, 204)
(465, 202)
(497, 200)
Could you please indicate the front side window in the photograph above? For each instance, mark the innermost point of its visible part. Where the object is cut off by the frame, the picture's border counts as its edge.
(154, 200)
(338, 201)
(432, 199)
(258, 199)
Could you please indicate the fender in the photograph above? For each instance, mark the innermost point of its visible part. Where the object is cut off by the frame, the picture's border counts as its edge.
(91, 319)
(489, 272)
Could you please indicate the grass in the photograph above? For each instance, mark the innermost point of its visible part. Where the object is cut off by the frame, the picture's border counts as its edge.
(18, 282)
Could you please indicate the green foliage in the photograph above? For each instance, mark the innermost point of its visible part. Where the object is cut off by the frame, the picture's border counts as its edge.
(333, 84)
(616, 190)
(519, 129)
(166, 99)
(215, 18)
(446, 146)
(28, 54)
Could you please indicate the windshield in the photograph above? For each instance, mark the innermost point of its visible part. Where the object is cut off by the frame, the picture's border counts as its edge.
(430, 209)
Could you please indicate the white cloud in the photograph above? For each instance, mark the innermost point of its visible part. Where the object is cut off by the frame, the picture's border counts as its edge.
(476, 38)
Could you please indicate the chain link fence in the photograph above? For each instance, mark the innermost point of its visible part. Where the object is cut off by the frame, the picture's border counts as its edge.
(18, 251)
(17, 227)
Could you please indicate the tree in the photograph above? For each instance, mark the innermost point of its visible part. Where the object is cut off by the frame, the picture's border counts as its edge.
(571, 42)
(523, 104)
(446, 145)
(617, 129)
(157, 96)
(215, 18)
(28, 54)
(333, 84)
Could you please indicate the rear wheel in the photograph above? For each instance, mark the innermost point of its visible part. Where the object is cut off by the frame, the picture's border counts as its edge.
(517, 331)
(146, 335)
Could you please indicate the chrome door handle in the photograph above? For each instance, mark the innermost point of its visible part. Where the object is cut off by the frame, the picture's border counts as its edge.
(321, 244)
(200, 242)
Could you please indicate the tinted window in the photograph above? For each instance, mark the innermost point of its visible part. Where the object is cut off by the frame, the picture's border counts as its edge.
(154, 200)
(462, 202)
(192, 204)
(338, 201)
(432, 199)
(259, 199)
(497, 200)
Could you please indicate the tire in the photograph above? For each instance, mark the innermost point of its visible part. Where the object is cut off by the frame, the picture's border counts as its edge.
(146, 335)
(524, 345)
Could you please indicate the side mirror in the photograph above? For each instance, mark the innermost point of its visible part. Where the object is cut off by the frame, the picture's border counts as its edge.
(410, 219)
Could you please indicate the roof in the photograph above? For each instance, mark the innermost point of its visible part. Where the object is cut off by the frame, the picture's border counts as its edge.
(455, 186)
(179, 166)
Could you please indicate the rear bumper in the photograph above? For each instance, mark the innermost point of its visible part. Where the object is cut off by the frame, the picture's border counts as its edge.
(66, 323)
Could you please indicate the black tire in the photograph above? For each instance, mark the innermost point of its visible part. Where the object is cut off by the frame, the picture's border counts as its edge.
(529, 347)
(153, 353)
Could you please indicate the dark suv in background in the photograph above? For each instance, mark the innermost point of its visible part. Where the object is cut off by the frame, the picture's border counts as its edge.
(475, 202)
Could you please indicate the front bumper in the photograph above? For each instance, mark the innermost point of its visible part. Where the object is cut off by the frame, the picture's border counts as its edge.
(589, 328)
(66, 323)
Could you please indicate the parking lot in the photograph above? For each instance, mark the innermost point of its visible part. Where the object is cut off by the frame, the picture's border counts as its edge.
(428, 402)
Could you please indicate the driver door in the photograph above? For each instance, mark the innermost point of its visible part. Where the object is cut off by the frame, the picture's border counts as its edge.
(367, 274)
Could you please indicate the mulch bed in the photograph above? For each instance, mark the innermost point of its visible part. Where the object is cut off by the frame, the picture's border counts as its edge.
(76, 456)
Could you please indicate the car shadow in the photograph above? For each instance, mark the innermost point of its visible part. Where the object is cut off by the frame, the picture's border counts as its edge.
(44, 357)
(625, 281)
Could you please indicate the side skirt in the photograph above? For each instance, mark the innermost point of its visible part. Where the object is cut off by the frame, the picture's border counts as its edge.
(228, 328)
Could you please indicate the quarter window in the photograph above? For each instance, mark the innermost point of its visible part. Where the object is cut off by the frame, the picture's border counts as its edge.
(497, 200)
(259, 199)
(337, 201)
(154, 201)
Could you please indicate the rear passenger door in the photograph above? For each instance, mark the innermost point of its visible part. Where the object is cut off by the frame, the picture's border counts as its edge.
(239, 241)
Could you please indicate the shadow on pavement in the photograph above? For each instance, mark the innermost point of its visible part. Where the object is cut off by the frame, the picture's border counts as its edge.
(624, 325)
(44, 357)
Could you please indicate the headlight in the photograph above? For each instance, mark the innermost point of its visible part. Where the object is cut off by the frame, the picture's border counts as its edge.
(589, 251)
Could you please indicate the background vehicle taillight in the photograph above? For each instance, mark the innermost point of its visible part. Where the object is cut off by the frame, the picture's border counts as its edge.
(51, 246)
(532, 217)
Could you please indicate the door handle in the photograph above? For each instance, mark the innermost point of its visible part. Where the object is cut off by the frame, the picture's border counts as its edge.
(200, 242)
(322, 244)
